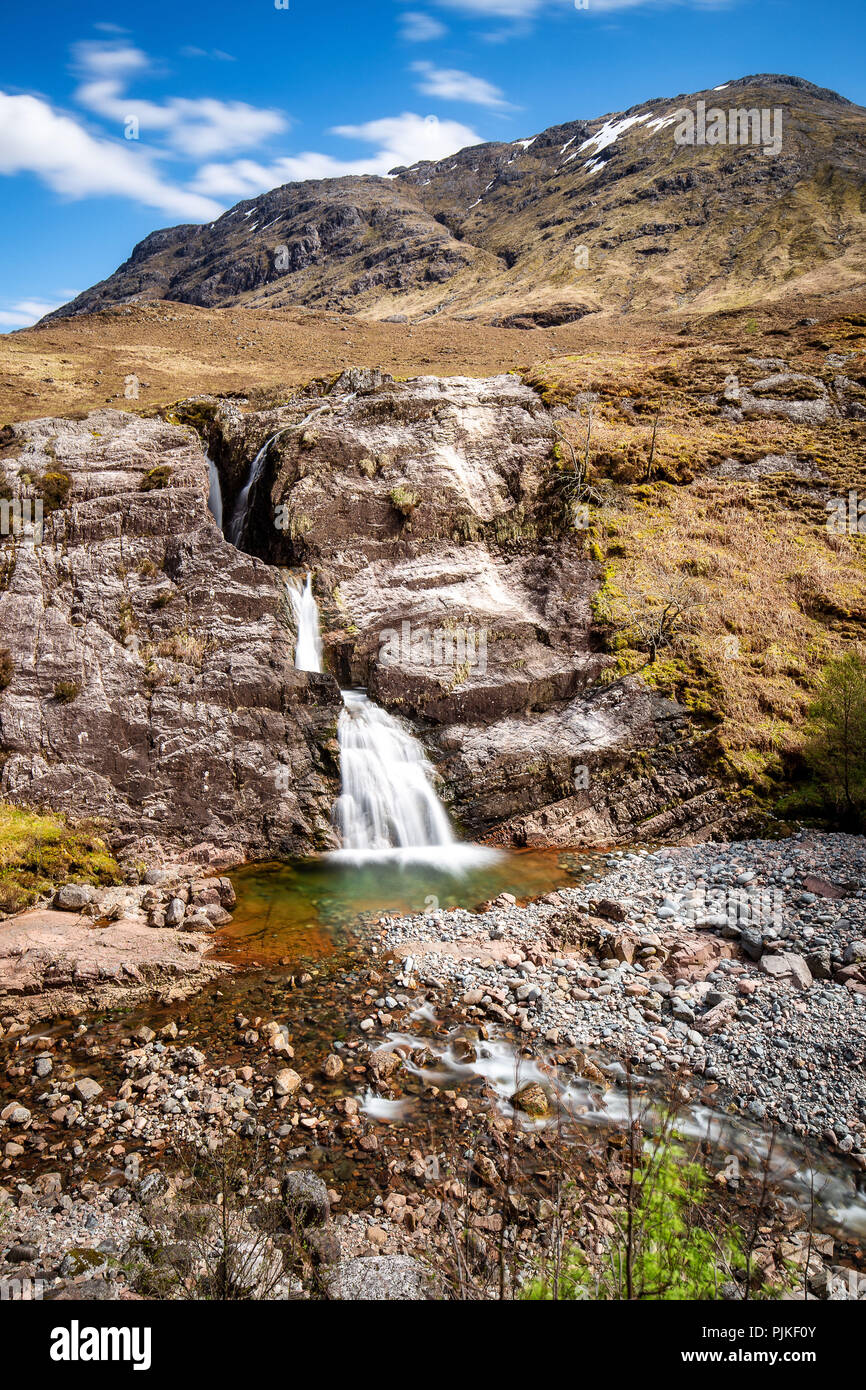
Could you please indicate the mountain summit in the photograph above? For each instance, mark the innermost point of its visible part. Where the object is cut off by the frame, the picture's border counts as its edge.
(611, 214)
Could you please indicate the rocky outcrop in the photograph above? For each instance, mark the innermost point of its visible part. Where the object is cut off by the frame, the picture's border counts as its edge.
(55, 964)
(152, 677)
(454, 587)
(152, 663)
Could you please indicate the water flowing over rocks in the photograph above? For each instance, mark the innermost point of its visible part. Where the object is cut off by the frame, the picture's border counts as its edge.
(547, 1003)
(710, 969)
(451, 593)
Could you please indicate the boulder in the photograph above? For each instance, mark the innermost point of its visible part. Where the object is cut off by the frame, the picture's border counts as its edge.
(74, 897)
(305, 1198)
(533, 1099)
(174, 913)
(787, 965)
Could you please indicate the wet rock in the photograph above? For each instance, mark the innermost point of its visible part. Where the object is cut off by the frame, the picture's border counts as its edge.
(533, 1099)
(332, 1067)
(286, 1082)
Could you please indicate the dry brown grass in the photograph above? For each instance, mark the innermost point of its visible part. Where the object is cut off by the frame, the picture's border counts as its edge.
(779, 594)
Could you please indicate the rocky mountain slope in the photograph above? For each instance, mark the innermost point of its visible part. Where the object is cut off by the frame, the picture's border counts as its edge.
(149, 675)
(607, 214)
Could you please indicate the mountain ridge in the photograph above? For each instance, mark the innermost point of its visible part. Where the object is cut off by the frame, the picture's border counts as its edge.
(493, 231)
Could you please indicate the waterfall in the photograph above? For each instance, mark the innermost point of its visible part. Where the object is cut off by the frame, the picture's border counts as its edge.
(387, 805)
(387, 799)
(215, 496)
(238, 523)
(308, 646)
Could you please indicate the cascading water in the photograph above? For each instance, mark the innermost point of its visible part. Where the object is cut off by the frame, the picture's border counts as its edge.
(238, 523)
(215, 496)
(387, 799)
(387, 803)
(308, 646)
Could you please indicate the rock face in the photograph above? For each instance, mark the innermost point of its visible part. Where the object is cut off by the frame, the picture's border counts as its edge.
(454, 587)
(152, 679)
(602, 214)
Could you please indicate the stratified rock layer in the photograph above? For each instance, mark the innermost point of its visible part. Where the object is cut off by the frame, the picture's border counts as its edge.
(153, 681)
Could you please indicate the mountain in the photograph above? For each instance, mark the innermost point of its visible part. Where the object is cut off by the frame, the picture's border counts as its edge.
(610, 214)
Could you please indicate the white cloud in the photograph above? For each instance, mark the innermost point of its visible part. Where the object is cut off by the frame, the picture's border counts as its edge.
(417, 27)
(498, 9)
(217, 54)
(399, 140)
(531, 9)
(453, 85)
(28, 311)
(194, 127)
(54, 147)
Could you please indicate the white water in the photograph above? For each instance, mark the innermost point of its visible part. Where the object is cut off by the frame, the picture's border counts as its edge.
(238, 523)
(580, 1105)
(387, 799)
(308, 645)
(387, 806)
(215, 496)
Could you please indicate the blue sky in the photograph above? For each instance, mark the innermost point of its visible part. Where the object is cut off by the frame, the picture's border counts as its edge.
(118, 119)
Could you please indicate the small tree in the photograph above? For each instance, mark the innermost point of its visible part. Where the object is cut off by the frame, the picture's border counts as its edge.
(652, 616)
(835, 746)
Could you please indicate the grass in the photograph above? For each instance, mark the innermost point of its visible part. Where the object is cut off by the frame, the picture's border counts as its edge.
(779, 594)
(39, 852)
(664, 1247)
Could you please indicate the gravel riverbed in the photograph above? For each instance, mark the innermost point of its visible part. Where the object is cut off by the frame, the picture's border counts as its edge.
(744, 963)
